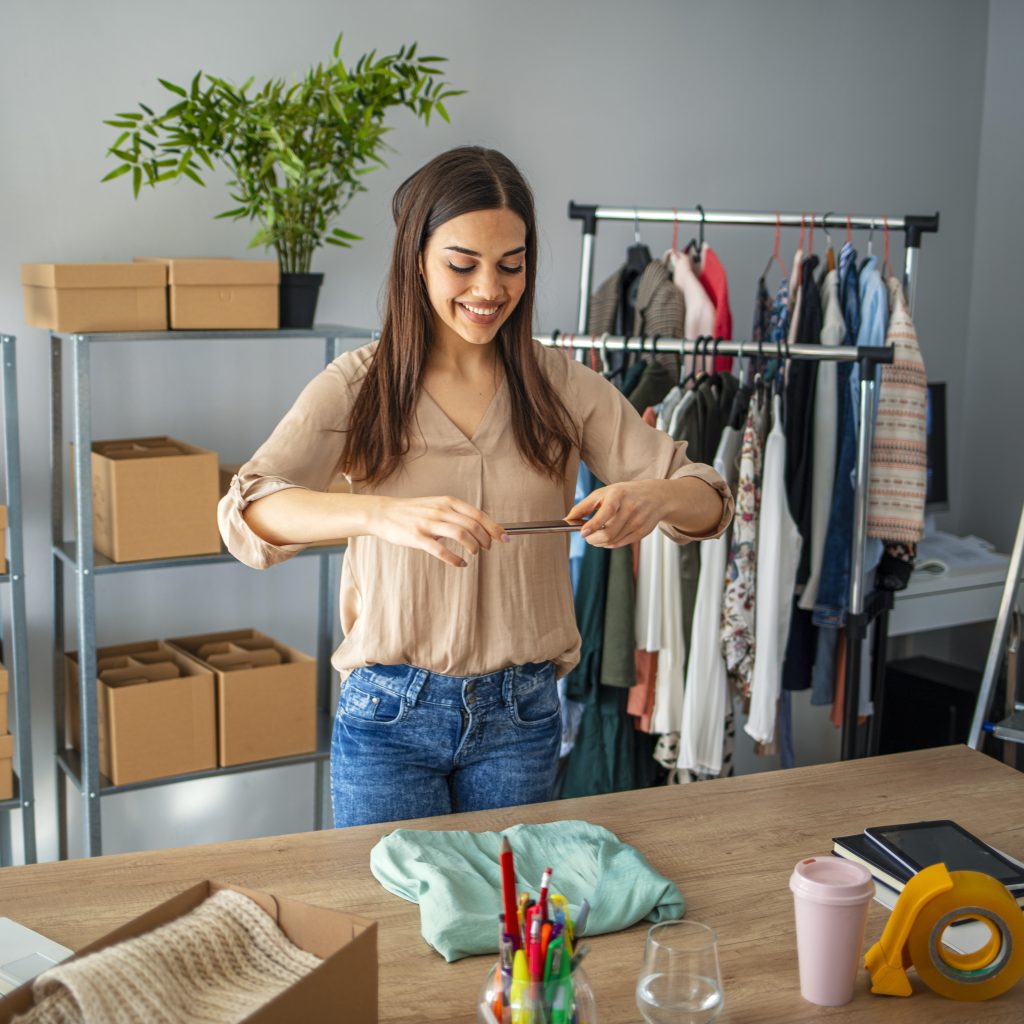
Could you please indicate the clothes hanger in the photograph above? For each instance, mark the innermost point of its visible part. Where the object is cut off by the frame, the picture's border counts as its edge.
(687, 378)
(606, 369)
(696, 245)
(637, 255)
(830, 253)
(775, 258)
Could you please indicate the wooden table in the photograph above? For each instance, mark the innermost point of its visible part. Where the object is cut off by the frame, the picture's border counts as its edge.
(729, 844)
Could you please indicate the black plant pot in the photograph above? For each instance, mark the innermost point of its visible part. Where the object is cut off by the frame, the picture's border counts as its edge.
(298, 299)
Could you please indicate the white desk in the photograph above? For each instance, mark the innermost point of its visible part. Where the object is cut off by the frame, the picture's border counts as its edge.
(956, 598)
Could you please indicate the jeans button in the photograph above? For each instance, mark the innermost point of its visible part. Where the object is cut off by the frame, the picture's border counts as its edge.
(471, 686)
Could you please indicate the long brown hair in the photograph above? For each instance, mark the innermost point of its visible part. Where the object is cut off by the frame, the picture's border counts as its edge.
(456, 182)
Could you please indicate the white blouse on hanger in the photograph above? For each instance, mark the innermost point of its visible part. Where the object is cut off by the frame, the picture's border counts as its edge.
(705, 697)
(778, 555)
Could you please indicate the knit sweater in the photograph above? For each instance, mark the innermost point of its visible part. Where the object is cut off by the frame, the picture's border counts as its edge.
(898, 469)
(215, 965)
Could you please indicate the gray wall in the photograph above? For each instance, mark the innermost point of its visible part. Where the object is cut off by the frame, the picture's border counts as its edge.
(993, 484)
(873, 107)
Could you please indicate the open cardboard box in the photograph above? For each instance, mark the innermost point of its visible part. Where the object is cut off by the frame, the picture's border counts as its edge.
(220, 294)
(155, 712)
(95, 296)
(344, 986)
(266, 694)
(153, 497)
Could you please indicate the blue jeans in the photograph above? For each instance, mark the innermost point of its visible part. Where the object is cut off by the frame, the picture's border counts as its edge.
(409, 743)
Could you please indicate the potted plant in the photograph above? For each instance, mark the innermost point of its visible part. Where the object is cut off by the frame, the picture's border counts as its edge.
(296, 153)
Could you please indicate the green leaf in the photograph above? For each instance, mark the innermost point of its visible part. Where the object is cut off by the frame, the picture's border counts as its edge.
(121, 124)
(148, 110)
(177, 89)
(188, 172)
(136, 180)
(117, 172)
(241, 211)
(439, 107)
(337, 232)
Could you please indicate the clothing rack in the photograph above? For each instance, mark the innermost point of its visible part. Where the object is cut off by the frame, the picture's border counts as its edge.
(863, 610)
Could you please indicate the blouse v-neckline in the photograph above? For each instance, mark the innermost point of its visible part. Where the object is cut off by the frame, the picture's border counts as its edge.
(478, 430)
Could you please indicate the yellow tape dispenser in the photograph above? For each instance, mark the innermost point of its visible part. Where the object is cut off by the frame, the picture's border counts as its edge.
(931, 901)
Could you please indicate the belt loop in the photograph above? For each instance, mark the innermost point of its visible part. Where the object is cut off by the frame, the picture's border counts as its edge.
(416, 684)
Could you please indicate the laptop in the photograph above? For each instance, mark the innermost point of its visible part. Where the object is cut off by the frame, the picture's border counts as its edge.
(24, 954)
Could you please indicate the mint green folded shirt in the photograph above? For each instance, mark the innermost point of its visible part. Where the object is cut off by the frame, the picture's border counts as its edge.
(455, 877)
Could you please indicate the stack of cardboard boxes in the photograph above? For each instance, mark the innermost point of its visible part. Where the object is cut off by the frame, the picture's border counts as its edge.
(192, 704)
(151, 294)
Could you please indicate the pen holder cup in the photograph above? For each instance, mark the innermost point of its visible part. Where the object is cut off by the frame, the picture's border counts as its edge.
(568, 1000)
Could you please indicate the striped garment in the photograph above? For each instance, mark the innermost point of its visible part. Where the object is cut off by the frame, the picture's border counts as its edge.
(898, 470)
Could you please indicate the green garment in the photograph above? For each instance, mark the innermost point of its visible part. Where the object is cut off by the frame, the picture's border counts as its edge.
(618, 666)
(455, 877)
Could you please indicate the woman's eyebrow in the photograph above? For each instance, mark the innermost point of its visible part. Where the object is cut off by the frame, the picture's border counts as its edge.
(470, 252)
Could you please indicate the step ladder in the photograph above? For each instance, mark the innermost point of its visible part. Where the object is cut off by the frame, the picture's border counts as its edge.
(1007, 642)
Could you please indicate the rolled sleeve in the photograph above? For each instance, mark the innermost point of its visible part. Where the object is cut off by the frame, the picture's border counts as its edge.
(703, 472)
(239, 538)
(303, 451)
(618, 446)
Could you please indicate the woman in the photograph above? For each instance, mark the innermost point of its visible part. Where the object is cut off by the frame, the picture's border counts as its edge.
(454, 423)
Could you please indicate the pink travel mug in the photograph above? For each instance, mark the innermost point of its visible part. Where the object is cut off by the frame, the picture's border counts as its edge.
(830, 897)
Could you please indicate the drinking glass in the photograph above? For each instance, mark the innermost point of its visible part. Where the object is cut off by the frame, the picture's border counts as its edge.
(680, 982)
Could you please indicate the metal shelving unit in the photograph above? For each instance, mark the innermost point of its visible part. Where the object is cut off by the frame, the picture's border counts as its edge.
(17, 663)
(82, 768)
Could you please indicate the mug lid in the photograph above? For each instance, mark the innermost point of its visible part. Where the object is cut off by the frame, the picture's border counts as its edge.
(832, 880)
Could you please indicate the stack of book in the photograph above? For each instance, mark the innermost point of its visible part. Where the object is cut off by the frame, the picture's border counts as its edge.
(895, 853)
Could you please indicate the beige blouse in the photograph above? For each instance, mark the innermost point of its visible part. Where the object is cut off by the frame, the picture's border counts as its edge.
(512, 604)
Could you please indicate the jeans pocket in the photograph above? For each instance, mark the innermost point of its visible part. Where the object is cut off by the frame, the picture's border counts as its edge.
(363, 700)
(534, 699)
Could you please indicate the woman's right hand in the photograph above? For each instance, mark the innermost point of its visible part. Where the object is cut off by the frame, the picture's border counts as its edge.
(422, 522)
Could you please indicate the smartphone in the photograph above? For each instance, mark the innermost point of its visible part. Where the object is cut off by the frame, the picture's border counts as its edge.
(921, 843)
(545, 526)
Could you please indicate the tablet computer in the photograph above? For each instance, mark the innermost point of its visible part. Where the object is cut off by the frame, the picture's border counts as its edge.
(918, 844)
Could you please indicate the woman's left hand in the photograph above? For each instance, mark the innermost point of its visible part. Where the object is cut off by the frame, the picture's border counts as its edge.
(622, 513)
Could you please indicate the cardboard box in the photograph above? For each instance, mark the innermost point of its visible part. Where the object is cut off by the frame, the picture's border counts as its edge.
(266, 694)
(4, 687)
(6, 766)
(3, 538)
(220, 293)
(155, 712)
(346, 981)
(95, 296)
(153, 497)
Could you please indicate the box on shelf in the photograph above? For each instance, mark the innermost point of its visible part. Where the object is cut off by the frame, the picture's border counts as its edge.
(266, 694)
(220, 294)
(4, 687)
(3, 538)
(95, 296)
(156, 712)
(6, 766)
(153, 497)
(345, 981)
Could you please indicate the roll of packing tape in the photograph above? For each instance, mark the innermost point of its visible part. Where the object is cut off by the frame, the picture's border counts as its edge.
(930, 902)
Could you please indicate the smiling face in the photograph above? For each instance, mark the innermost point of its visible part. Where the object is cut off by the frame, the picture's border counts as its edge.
(474, 266)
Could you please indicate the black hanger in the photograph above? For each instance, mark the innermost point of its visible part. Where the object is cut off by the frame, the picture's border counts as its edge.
(637, 255)
(696, 245)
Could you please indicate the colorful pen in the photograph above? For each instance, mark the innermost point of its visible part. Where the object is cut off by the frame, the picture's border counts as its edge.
(545, 938)
(508, 885)
(559, 1014)
(545, 881)
(520, 993)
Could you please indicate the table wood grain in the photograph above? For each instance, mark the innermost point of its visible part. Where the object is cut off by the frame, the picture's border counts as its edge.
(729, 844)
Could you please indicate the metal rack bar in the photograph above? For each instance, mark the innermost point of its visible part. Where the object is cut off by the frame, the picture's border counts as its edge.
(15, 576)
(79, 554)
(912, 226)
